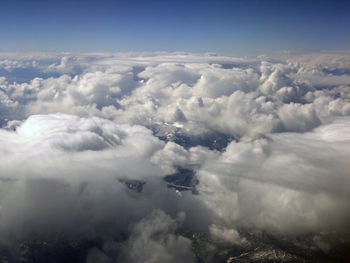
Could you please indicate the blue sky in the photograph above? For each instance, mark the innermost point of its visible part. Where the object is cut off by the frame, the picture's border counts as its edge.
(225, 27)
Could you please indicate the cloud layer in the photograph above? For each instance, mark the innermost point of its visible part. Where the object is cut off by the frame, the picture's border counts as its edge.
(86, 141)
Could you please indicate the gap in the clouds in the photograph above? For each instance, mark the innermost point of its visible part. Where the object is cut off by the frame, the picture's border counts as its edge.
(136, 70)
(132, 184)
(232, 65)
(182, 180)
(25, 70)
(337, 71)
(23, 75)
(58, 249)
(264, 246)
(212, 140)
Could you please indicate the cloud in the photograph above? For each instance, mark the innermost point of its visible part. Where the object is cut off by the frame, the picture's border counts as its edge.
(298, 117)
(289, 182)
(64, 177)
(154, 240)
(205, 94)
(53, 164)
(226, 235)
(266, 138)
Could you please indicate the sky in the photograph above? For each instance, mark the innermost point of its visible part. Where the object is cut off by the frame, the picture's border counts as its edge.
(225, 27)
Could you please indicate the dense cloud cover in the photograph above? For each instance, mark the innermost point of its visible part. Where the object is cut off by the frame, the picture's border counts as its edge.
(87, 140)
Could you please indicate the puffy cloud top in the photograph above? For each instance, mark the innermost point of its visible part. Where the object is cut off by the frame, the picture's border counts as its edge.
(253, 146)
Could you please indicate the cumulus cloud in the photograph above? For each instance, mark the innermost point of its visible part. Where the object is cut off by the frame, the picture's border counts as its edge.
(226, 235)
(57, 168)
(200, 92)
(256, 144)
(288, 182)
(153, 240)
(67, 177)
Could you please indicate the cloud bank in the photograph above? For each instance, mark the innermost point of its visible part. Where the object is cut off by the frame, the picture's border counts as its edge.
(86, 142)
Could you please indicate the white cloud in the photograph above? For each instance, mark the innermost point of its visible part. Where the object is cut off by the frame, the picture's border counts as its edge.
(226, 234)
(289, 182)
(153, 240)
(267, 139)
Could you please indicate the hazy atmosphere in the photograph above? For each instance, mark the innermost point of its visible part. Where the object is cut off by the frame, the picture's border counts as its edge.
(174, 131)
